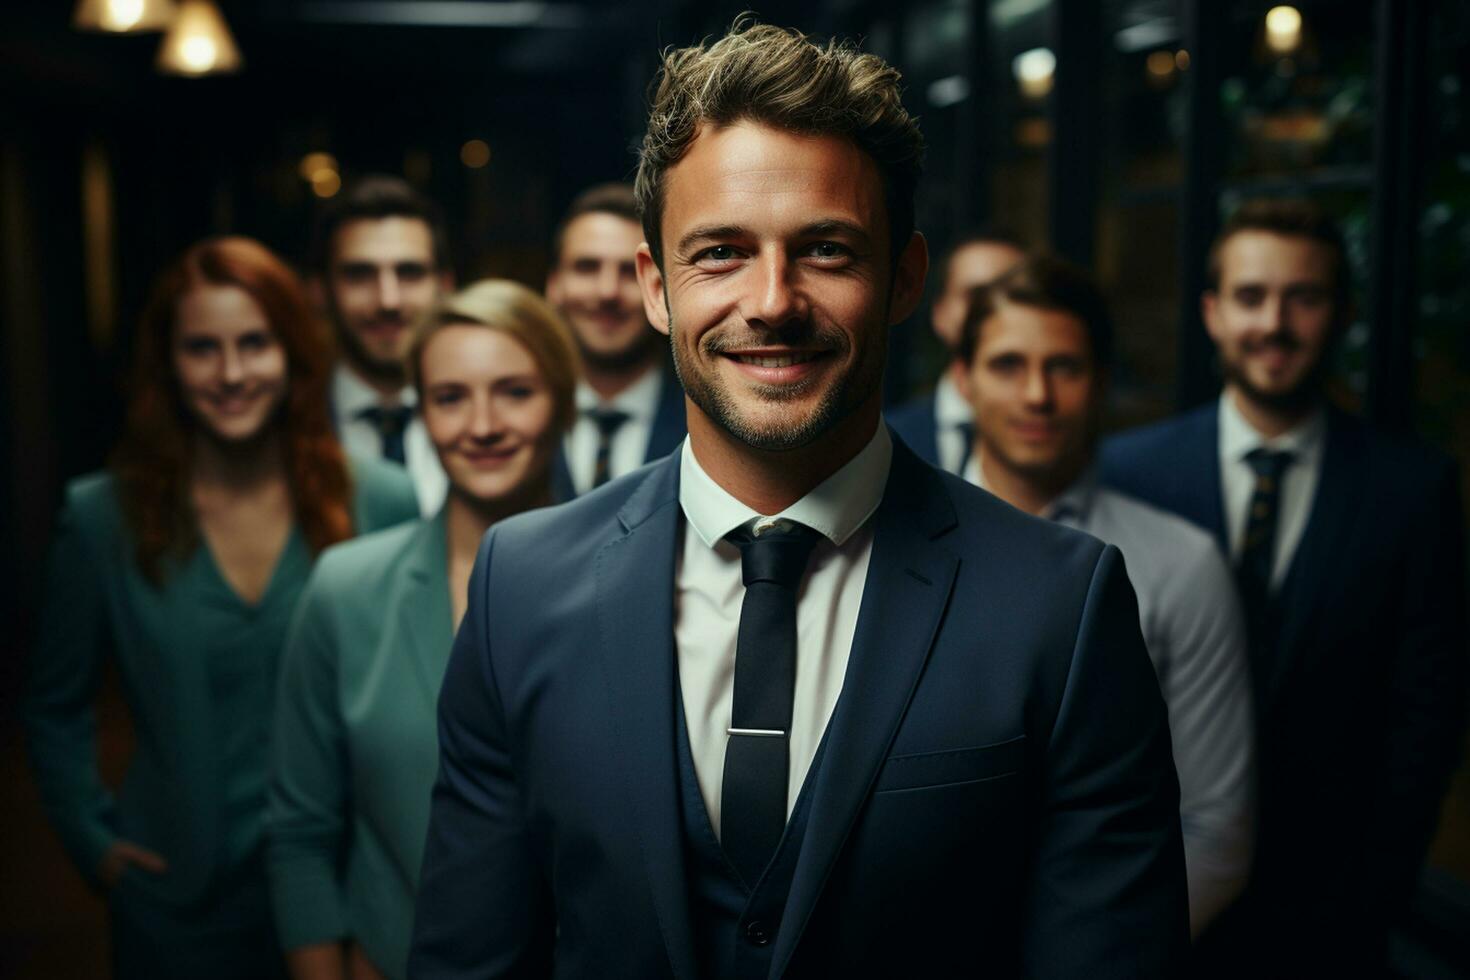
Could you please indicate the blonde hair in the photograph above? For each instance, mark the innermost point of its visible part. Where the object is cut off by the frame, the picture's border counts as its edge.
(521, 313)
(779, 77)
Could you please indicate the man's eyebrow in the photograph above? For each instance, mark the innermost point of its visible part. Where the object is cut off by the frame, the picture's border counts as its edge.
(836, 227)
(708, 233)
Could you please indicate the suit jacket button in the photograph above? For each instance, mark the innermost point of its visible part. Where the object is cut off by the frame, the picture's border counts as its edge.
(755, 933)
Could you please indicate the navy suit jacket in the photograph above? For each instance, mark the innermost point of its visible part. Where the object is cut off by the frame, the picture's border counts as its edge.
(996, 791)
(669, 428)
(1361, 707)
(915, 424)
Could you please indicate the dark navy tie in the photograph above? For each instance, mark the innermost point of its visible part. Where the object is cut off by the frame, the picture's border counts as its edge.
(1258, 554)
(609, 421)
(757, 754)
(391, 422)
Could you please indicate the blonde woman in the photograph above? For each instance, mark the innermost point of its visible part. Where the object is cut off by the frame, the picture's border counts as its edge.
(356, 748)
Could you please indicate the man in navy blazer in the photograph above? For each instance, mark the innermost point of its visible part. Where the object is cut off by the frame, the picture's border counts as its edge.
(970, 770)
(1349, 550)
(940, 425)
(630, 408)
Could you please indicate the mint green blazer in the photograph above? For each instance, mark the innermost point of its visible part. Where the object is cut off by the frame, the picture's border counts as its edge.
(356, 743)
(198, 668)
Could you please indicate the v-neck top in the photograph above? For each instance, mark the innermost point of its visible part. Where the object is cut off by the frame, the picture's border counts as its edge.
(197, 666)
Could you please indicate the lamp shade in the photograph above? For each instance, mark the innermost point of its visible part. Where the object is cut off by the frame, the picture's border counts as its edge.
(124, 16)
(198, 43)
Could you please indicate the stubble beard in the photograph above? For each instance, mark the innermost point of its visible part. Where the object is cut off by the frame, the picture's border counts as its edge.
(843, 395)
(1302, 395)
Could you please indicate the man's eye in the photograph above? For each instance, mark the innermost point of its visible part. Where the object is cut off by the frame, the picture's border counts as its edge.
(719, 253)
(828, 250)
(447, 397)
(198, 345)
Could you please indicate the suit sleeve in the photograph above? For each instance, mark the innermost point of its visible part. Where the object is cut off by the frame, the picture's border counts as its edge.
(61, 687)
(1427, 698)
(1108, 895)
(1206, 686)
(484, 908)
(307, 813)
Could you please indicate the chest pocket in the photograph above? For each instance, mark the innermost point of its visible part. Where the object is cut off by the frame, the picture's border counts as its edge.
(929, 770)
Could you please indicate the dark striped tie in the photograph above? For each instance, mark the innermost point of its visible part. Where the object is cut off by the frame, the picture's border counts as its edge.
(608, 421)
(1258, 554)
(391, 421)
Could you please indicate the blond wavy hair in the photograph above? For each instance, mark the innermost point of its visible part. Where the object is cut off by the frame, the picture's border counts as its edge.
(780, 78)
(522, 314)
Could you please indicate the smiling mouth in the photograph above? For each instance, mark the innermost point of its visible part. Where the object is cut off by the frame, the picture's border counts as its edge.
(776, 360)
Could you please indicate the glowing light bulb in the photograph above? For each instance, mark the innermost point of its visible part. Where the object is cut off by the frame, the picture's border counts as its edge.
(122, 15)
(1283, 29)
(198, 53)
(1035, 70)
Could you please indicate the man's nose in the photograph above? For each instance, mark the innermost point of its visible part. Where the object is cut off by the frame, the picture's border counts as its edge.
(609, 283)
(389, 293)
(1038, 390)
(773, 299)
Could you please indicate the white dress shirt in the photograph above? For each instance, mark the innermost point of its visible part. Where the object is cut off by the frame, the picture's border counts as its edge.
(950, 412)
(1196, 638)
(628, 448)
(708, 592)
(350, 396)
(1298, 483)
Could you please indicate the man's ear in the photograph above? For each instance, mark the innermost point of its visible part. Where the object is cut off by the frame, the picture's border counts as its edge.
(316, 291)
(908, 279)
(1209, 311)
(553, 288)
(959, 373)
(651, 282)
(446, 281)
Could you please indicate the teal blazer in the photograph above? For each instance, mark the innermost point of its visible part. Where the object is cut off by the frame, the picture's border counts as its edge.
(197, 666)
(356, 744)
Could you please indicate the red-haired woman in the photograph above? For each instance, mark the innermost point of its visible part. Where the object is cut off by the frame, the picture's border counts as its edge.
(183, 564)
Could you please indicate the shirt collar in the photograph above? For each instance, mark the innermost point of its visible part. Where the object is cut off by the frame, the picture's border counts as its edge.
(950, 407)
(1238, 437)
(351, 395)
(1072, 505)
(835, 508)
(639, 400)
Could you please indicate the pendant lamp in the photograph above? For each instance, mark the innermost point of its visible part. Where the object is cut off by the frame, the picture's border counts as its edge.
(124, 16)
(198, 43)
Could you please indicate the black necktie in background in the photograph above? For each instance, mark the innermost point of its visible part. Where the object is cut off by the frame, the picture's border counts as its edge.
(609, 421)
(1258, 555)
(757, 753)
(391, 422)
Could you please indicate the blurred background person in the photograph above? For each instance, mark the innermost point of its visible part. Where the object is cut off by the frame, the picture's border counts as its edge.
(181, 565)
(1033, 358)
(356, 748)
(940, 426)
(630, 408)
(379, 260)
(1348, 548)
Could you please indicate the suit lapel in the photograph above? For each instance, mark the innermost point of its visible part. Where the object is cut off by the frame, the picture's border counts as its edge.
(637, 630)
(1199, 459)
(904, 598)
(425, 612)
(1320, 553)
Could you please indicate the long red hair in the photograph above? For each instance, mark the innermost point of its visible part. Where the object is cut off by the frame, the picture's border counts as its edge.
(152, 464)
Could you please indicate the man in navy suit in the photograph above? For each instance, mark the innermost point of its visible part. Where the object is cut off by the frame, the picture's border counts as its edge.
(792, 702)
(1349, 555)
(630, 409)
(940, 425)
